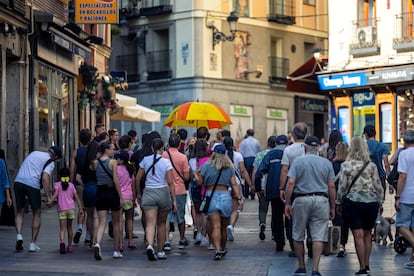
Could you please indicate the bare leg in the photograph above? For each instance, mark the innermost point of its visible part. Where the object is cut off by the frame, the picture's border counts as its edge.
(150, 221)
(300, 253)
(117, 222)
(317, 247)
(19, 220)
(360, 246)
(161, 234)
(223, 240)
(368, 246)
(101, 225)
(63, 226)
(35, 224)
(70, 231)
(215, 223)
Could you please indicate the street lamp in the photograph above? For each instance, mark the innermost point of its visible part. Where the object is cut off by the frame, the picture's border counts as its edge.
(220, 36)
(123, 25)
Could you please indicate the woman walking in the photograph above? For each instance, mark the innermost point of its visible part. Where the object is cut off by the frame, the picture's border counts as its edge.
(218, 176)
(360, 192)
(155, 199)
(108, 197)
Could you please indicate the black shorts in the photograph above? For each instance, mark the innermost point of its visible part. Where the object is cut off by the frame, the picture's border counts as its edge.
(22, 191)
(360, 215)
(107, 198)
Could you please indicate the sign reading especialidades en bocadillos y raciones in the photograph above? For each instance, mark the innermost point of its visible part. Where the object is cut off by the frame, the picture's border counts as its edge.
(96, 12)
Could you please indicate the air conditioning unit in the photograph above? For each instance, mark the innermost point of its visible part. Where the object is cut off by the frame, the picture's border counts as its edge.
(367, 35)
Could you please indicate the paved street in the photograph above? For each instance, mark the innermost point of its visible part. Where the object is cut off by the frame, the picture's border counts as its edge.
(247, 255)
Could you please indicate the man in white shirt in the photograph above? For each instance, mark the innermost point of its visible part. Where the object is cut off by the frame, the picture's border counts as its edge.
(249, 147)
(34, 173)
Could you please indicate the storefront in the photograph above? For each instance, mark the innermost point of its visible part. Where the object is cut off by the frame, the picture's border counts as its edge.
(380, 96)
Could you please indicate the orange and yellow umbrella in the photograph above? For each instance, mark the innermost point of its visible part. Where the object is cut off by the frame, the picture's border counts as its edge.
(198, 114)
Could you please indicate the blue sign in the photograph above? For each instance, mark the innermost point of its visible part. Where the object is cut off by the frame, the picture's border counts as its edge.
(363, 99)
(328, 82)
(121, 75)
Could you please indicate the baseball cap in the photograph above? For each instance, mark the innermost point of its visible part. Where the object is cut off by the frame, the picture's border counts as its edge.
(282, 140)
(312, 141)
(56, 151)
(220, 149)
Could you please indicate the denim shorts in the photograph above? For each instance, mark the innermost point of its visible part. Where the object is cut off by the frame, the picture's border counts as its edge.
(405, 217)
(220, 203)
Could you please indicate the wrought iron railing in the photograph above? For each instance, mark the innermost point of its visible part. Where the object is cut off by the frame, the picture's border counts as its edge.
(158, 65)
(156, 7)
(279, 69)
(282, 12)
(403, 34)
(364, 40)
(128, 63)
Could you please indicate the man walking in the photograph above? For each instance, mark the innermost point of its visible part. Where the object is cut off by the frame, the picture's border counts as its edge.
(290, 153)
(181, 173)
(249, 147)
(312, 185)
(404, 198)
(271, 165)
(379, 155)
(34, 173)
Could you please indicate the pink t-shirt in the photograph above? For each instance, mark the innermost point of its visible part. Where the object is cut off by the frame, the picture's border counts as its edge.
(125, 182)
(66, 199)
(181, 163)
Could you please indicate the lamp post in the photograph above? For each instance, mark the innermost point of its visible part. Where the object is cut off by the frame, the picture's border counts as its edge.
(218, 36)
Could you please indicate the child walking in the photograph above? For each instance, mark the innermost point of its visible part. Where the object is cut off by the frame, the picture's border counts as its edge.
(126, 178)
(65, 193)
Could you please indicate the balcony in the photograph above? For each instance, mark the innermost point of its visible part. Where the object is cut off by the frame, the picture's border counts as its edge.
(403, 40)
(128, 63)
(158, 65)
(364, 41)
(279, 69)
(282, 12)
(156, 7)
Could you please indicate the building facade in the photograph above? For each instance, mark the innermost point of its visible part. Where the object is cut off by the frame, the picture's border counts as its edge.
(179, 51)
(370, 76)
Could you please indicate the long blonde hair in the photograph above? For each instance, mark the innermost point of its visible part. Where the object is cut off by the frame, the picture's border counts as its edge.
(358, 150)
(220, 161)
(341, 151)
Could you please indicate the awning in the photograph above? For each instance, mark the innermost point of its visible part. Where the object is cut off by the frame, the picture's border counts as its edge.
(132, 112)
(304, 79)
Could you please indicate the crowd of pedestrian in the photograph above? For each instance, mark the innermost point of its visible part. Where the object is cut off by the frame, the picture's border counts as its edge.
(306, 181)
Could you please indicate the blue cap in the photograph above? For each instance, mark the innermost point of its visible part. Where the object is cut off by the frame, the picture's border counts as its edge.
(56, 151)
(282, 140)
(220, 149)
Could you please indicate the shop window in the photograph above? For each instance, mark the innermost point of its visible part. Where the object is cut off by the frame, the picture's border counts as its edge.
(385, 118)
(43, 107)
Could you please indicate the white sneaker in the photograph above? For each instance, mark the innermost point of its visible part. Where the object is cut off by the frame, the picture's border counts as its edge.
(230, 232)
(97, 252)
(161, 255)
(211, 247)
(204, 241)
(117, 255)
(33, 247)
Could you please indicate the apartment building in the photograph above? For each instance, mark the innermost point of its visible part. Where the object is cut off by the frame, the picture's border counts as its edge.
(179, 51)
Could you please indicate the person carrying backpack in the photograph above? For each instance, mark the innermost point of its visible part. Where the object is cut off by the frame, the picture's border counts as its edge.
(271, 165)
(379, 155)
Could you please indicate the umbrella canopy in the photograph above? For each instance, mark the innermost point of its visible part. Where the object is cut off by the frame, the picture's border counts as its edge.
(198, 114)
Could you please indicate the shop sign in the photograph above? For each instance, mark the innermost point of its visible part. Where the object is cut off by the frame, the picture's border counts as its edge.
(165, 110)
(313, 105)
(279, 114)
(342, 81)
(241, 110)
(96, 12)
(363, 99)
(390, 75)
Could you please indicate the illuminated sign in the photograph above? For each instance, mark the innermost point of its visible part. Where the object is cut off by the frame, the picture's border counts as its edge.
(327, 82)
(96, 12)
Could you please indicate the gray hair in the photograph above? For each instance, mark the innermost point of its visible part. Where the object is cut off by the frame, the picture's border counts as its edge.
(311, 149)
(409, 136)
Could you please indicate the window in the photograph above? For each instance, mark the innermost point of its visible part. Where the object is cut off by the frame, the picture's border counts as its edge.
(309, 2)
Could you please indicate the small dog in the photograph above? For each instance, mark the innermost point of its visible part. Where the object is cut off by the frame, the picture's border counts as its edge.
(383, 229)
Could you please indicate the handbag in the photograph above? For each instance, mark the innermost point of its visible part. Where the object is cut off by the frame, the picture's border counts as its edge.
(392, 178)
(205, 204)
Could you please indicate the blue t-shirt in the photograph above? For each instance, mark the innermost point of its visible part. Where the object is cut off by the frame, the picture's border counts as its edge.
(210, 174)
(377, 151)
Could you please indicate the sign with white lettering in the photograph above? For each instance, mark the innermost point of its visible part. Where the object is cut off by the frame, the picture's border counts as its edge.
(363, 99)
(96, 12)
(342, 81)
(313, 105)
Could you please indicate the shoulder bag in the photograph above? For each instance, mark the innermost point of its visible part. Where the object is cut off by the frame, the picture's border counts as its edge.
(205, 204)
(144, 177)
(355, 178)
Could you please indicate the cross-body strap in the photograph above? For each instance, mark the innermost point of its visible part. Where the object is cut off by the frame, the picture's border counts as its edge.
(356, 177)
(44, 167)
(153, 164)
(105, 169)
(172, 163)
(215, 184)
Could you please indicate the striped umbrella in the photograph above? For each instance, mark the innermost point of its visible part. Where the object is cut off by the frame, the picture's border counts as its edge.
(198, 114)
